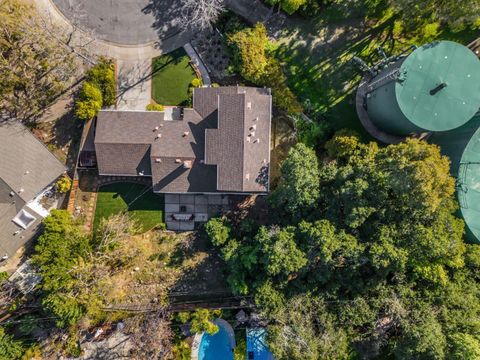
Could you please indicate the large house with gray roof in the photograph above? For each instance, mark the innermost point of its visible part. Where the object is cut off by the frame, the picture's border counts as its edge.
(27, 170)
(220, 145)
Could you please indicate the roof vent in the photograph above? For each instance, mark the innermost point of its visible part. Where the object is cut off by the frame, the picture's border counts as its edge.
(253, 127)
(178, 161)
(202, 161)
(158, 160)
(248, 138)
(156, 128)
(187, 164)
(141, 173)
(27, 172)
(186, 133)
(21, 191)
(159, 136)
(12, 194)
(256, 119)
(257, 140)
(249, 105)
(252, 133)
(247, 176)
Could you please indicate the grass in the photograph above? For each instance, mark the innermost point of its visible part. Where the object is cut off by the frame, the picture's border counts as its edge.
(115, 198)
(316, 54)
(172, 75)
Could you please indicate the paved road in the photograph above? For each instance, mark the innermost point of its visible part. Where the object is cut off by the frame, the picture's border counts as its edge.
(127, 22)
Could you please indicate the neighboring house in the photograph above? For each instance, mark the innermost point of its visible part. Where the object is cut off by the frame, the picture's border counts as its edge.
(221, 145)
(27, 169)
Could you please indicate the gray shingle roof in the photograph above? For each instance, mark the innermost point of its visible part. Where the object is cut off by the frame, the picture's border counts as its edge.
(128, 142)
(26, 163)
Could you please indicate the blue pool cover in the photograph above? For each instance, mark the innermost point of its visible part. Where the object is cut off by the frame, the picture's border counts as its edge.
(217, 346)
(257, 348)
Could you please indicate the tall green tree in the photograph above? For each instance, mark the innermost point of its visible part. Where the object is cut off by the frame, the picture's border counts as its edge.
(299, 188)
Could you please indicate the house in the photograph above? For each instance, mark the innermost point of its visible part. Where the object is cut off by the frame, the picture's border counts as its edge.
(27, 170)
(221, 145)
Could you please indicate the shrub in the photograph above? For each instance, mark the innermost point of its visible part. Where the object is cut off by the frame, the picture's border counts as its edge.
(102, 75)
(155, 107)
(89, 102)
(196, 83)
(63, 184)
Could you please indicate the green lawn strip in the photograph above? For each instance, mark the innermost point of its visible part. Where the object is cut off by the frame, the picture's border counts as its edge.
(172, 74)
(114, 199)
(322, 73)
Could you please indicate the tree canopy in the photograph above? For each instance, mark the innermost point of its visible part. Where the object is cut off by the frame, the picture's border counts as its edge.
(376, 264)
(34, 67)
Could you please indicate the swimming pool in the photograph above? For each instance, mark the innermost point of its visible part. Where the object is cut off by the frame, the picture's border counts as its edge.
(257, 348)
(218, 346)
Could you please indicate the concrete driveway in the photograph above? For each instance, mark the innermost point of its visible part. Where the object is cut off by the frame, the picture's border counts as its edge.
(134, 78)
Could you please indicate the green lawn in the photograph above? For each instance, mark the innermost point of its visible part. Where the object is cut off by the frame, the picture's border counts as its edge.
(119, 197)
(172, 75)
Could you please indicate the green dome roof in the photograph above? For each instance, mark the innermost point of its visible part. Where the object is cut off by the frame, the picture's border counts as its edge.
(439, 86)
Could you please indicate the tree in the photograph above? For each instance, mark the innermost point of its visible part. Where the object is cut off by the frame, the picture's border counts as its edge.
(253, 62)
(63, 184)
(464, 347)
(34, 70)
(61, 248)
(201, 320)
(10, 349)
(102, 76)
(89, 102)
(151, 336)
(281, 256)
(457, 14)
(305, 330)
(299, 188)
(200, 14)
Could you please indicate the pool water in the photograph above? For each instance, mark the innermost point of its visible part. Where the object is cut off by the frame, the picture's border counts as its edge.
(257, 348)
(217, 346)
